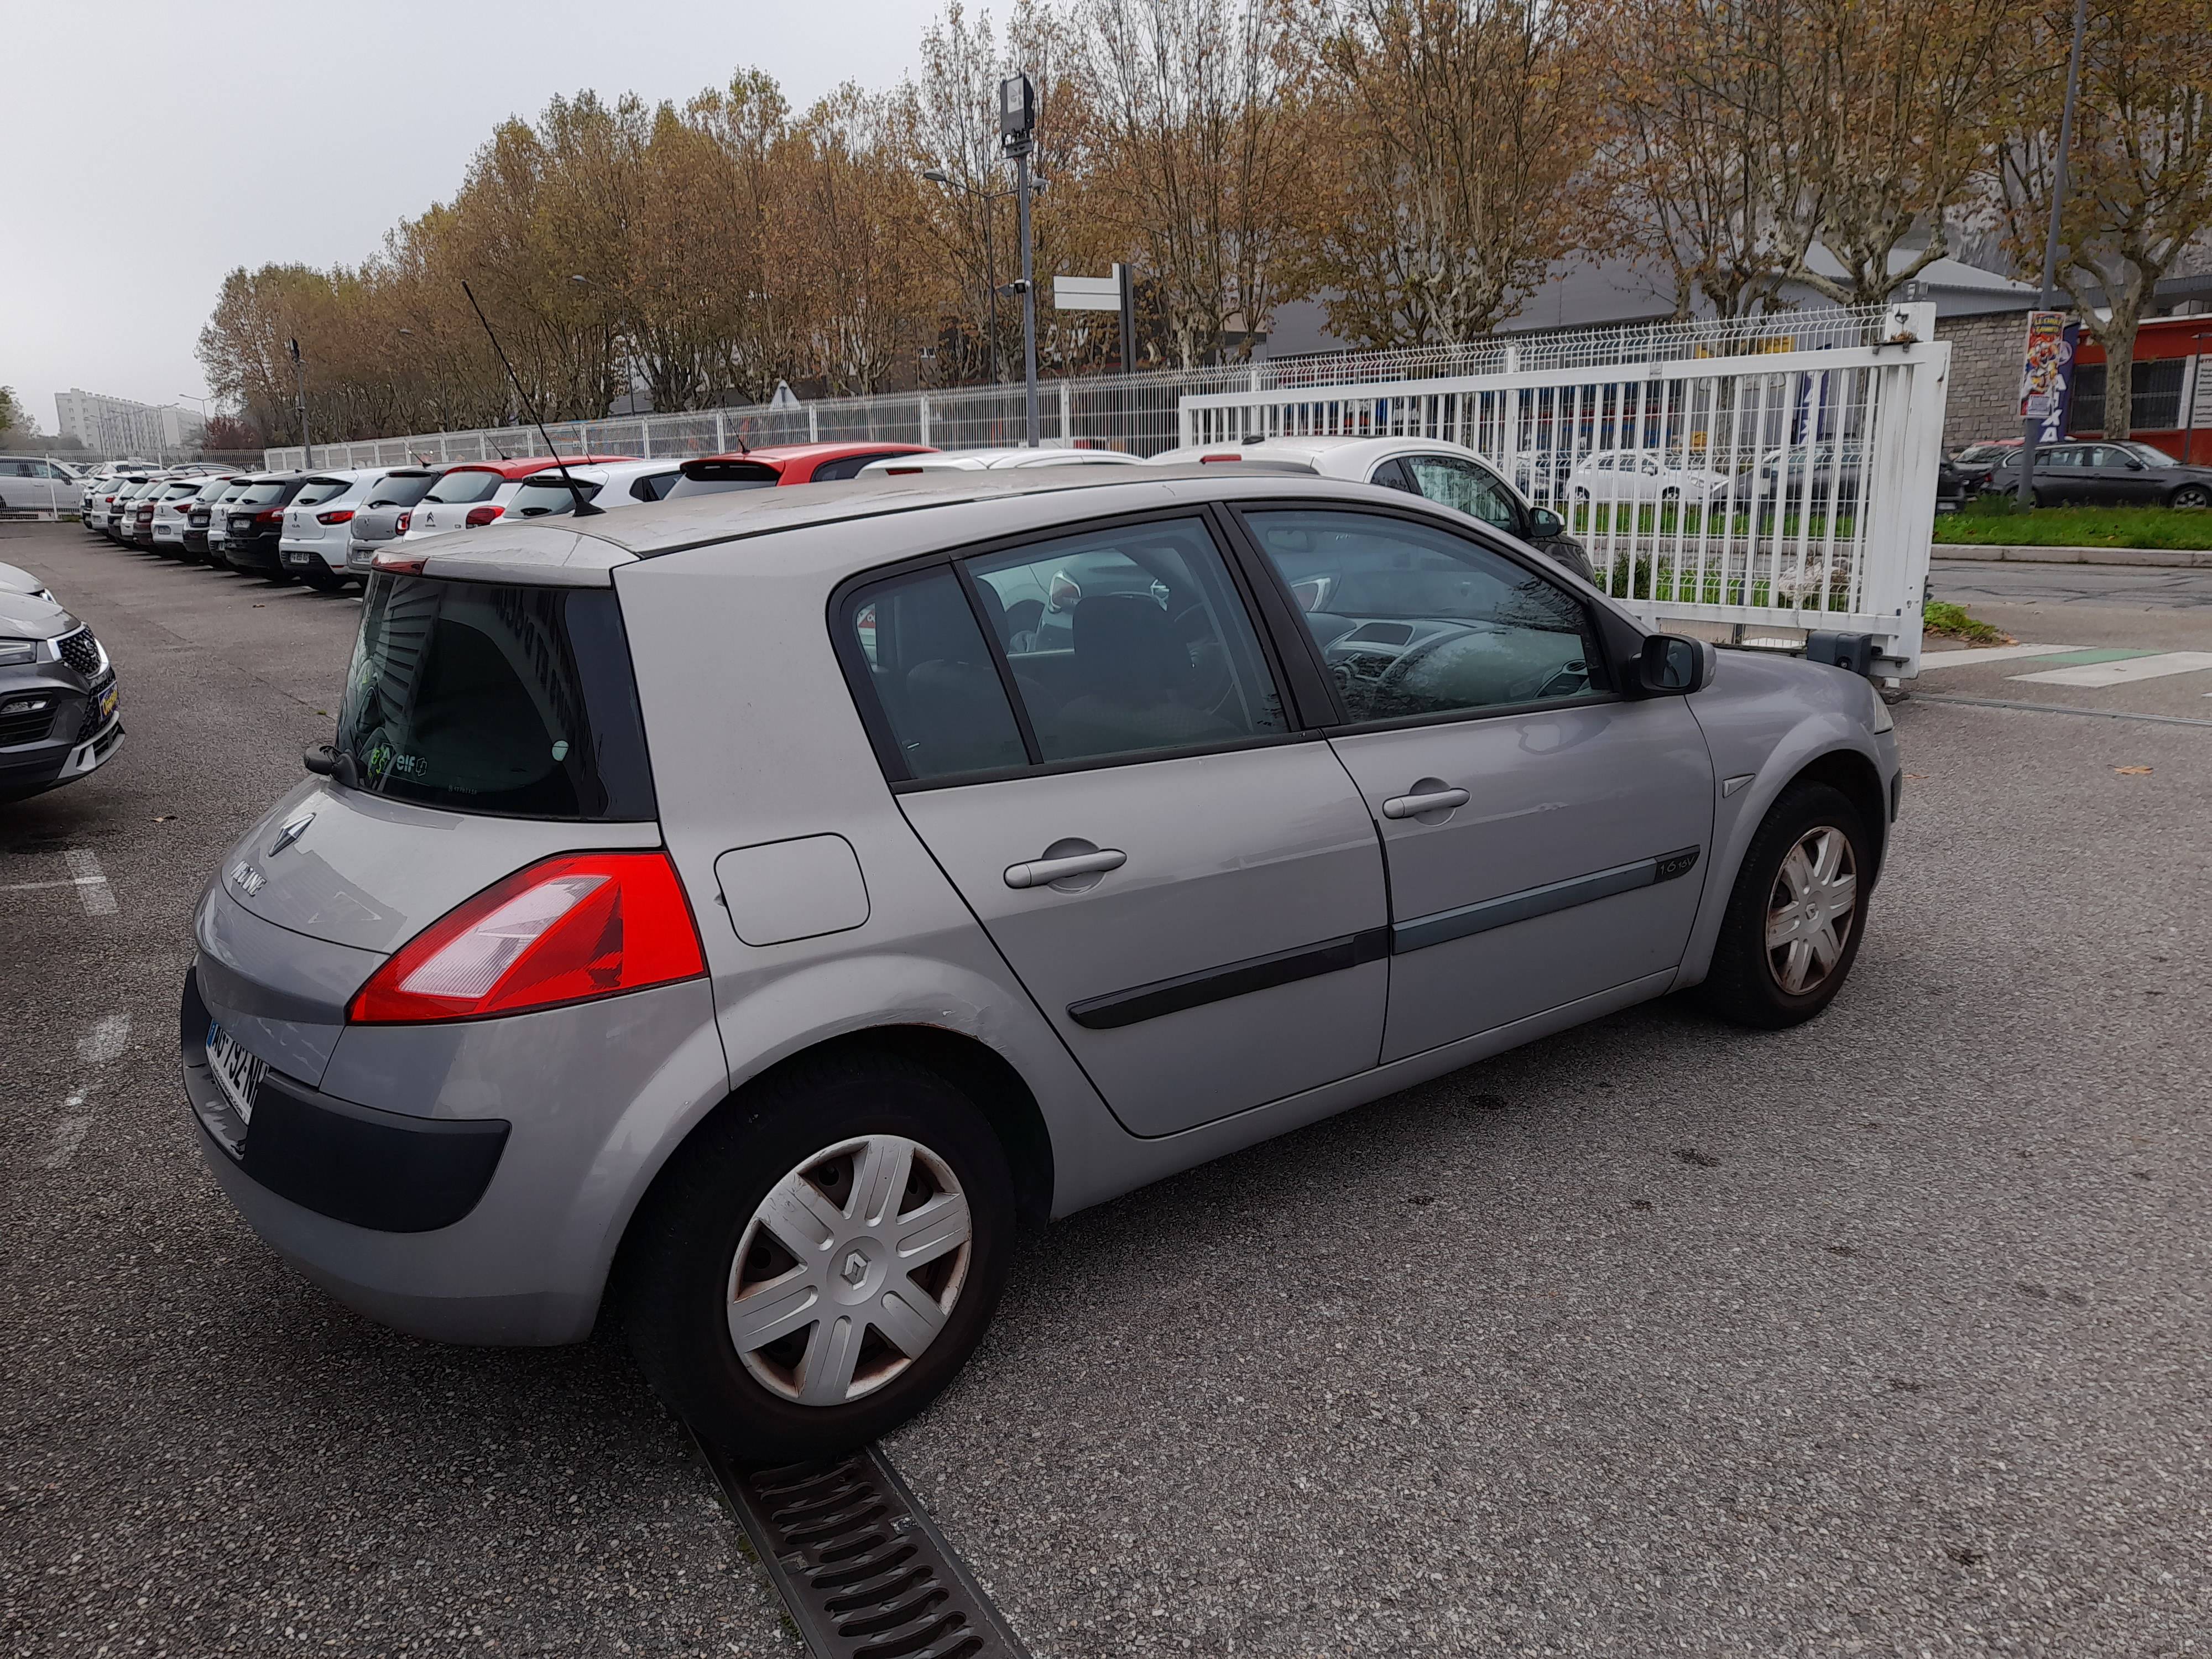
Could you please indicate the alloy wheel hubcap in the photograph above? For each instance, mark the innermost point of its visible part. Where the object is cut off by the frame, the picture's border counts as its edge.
(1810, 912)
(849, 1269)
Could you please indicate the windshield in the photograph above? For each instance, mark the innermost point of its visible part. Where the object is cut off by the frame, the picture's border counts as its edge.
(547, 494)
(459, 489)
(487, 698)
(401, 489)
(2147, 455)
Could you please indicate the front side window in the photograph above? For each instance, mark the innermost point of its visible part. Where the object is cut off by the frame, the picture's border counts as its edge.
(1128, 640)
(479, 697)
(1415, 621)
(1473, 489)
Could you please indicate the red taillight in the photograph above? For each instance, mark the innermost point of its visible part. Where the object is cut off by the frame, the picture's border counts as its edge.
(270, 515)
(1203, 459)
(568, 929)
(342, 516)
(479, 516)
(399, 528)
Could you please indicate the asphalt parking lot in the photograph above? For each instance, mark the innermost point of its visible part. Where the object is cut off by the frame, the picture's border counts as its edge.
(1884, 1335)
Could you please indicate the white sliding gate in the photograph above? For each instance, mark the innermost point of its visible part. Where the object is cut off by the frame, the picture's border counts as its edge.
(1749, 498)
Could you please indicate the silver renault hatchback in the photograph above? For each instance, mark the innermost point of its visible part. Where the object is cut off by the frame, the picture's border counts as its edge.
(737, 915)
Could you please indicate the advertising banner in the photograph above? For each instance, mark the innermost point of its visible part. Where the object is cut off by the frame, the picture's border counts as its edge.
(2047, 359)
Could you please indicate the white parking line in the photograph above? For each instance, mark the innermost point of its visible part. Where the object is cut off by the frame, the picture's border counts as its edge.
(1991, 653)
(107, 1038)
(92, 889)
(69, 1134)
(2127, 671)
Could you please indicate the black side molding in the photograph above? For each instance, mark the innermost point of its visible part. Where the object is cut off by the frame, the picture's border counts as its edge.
(1445, 926)
(1333, 955)
(1168, 996)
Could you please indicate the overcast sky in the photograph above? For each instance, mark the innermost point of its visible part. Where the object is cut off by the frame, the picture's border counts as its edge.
(169, 142)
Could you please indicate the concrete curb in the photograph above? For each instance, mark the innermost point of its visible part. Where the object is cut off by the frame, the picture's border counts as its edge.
(2184, 558)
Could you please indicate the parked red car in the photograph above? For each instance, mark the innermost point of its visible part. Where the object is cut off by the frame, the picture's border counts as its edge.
(784, 463)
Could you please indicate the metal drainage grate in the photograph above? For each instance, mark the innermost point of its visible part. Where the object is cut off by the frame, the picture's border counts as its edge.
(864, 1572)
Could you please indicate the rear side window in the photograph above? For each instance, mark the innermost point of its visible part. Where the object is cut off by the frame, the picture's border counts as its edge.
(847, 466)
(480, 697)
(933, 676)
(460, 489)
(654, 486)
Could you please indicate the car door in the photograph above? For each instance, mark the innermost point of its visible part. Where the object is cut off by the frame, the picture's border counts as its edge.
(2123, 480)
(1545, 836)
(1190, 888)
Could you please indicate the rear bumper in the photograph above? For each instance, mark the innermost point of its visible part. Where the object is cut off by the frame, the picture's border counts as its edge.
(487, 1209)
(252, 553)
(309, 556)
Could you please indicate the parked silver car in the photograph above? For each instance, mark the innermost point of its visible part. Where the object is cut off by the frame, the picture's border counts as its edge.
(724, 912)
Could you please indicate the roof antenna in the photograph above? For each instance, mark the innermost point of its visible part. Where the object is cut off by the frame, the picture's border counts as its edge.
(584, 508)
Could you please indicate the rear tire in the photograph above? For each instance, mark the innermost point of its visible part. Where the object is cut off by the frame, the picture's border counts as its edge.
(1784, 947)
(710, 1239)
(323, 581)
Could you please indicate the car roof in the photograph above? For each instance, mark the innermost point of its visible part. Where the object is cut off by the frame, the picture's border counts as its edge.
(523, 466)
(781, 456)
(1010, 457)
(606, 472)
(914, 514)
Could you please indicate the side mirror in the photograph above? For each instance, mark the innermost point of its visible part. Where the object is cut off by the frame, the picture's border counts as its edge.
(1062, 594)
(1545, 525)
(1671, 665)
(2135, 466)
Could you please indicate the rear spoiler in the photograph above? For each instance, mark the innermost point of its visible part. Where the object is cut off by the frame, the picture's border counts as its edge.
(716, 469)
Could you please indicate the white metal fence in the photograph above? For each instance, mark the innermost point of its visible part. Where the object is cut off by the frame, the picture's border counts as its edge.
(1740, 495)
(1138, 413)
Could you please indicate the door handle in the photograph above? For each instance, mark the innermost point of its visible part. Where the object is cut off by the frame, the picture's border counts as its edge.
(1413, 806)
(1043, 872)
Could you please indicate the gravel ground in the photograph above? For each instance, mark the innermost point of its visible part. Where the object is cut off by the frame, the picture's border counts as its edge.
(1883, 1335)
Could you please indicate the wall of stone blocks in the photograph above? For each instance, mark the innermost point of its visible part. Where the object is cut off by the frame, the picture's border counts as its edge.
(1982, 394)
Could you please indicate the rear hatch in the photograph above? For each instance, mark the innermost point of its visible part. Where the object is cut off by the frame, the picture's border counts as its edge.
(446, 507)
(485, 726)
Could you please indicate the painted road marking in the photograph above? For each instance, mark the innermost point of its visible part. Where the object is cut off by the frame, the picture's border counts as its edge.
(2123, 671)
(107, 1038)
(41, 886)
(69, 1134)
(92, 889)
(1992, 653)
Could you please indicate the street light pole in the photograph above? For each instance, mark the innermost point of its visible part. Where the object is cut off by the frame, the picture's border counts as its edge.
(2031, 425)
(299, 382)
(1016, 129)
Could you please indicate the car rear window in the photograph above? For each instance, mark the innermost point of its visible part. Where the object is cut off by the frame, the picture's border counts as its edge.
(401, 489)
(459, 489)
(547, 494)
(268, 493)
(484, 697)
(316, 491)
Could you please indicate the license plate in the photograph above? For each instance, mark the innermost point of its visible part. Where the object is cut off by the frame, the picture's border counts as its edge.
(108, 699)
(239, 526)
(237, 1073)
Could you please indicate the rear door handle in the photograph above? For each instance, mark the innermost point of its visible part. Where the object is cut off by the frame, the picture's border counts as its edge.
(1407, 806)
(1043, 872)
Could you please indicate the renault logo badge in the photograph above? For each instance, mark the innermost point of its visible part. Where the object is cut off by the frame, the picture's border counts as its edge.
(290, 833)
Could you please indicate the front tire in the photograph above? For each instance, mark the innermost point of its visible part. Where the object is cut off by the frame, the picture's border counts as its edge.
(2190, 495)
(821, 1259)
(1796, 915)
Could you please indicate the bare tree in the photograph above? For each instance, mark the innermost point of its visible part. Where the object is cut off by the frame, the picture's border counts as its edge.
(1457, 150)
(2139, 187)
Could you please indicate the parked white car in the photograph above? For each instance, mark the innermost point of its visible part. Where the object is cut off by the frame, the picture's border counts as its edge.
(477, 493)
(607, 486)
(173, 509)
(981, 460)
(218, 524)
(319, 522)
(1449, 473)
(32, 483)
(1641, 475)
